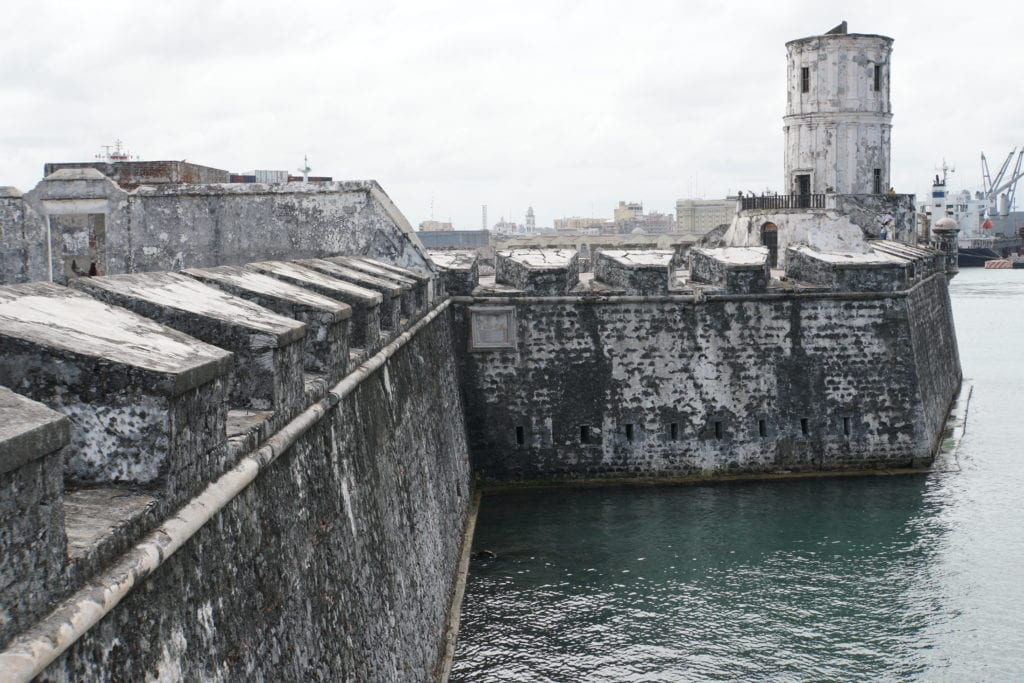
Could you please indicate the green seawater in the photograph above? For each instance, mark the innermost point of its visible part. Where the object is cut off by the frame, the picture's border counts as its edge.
(912, 577)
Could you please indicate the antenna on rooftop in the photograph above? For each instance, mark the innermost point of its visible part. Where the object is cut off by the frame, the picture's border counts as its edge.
(305, 169)
(114, 152)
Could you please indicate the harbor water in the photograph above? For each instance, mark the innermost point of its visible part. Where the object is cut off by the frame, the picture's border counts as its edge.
(910, 577)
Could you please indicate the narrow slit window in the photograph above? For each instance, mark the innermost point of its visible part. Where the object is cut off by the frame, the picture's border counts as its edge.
(846, 426)
(718, 429)
(673, 431)
(629, 432)
(762, 428)
(878, 181)
(878, 77)
(805, 426)
(805, 79)
(520, 435)
(584, 434)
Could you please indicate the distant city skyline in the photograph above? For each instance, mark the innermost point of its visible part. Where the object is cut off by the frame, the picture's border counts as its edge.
(453, 105)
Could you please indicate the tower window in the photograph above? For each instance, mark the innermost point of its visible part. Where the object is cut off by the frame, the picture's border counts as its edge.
(878, 77)
(877, 183)
(762, 428)
(629, 432)
(584, 434)
(673, 430)
(718, 429)
(520, 435)
(805, 79)
(805, 426)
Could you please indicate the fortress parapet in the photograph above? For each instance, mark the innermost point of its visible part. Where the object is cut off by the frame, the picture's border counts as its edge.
(396, 299)
(137, 395)
(460, 271)
(147, 402)
(326, 320)
(33, 441)
(636, 272)
(738, 270)
(538, 272)
(420, 284)
(365, 303)
(268, 347)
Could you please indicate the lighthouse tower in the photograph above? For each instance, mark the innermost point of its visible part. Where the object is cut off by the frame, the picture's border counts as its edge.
(838, 118)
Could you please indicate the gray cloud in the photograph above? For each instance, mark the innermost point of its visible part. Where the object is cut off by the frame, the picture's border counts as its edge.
(568, 106)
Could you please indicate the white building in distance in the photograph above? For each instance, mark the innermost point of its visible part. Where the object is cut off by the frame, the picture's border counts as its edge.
(697, 217)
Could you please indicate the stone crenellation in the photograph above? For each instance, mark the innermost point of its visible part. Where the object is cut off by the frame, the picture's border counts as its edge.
(842, 361)
(125, 398)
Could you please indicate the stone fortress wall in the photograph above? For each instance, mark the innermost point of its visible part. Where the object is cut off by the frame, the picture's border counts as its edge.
(93, 224)
(220, 474)
(727, 368)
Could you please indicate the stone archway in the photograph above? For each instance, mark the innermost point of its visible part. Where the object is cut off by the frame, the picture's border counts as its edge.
(770, 239)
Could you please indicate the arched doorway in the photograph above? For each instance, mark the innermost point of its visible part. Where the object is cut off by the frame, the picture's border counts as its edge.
(770, 239)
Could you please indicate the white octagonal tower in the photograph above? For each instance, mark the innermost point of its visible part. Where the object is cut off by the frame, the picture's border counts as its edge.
(838, 116)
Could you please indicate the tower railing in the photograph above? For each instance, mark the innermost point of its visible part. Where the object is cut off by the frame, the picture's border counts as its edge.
(783, 201)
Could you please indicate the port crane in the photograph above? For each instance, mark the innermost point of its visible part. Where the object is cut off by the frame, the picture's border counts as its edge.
(1001, 191)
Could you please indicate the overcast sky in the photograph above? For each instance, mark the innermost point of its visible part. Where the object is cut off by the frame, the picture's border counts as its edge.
(565, 106)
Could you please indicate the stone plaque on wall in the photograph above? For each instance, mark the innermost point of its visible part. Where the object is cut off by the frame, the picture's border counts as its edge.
(492, 327)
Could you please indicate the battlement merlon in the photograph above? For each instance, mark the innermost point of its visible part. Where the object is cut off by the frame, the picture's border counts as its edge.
(741, 270)
(33, 441)
(326, 320)
(365, 329)
(397, 301)
(268, 347)
(120, 377)
(538, 272)
(460, 270)
(636, 272)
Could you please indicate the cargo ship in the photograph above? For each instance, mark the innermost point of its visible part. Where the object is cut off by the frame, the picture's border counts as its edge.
(988, 229)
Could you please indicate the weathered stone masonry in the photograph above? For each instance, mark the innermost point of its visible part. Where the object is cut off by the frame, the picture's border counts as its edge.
(94, 224)
(337, 561)
(709, 381)
(335, 564)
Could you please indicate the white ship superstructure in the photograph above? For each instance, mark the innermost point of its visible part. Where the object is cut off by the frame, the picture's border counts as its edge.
(983, 235)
